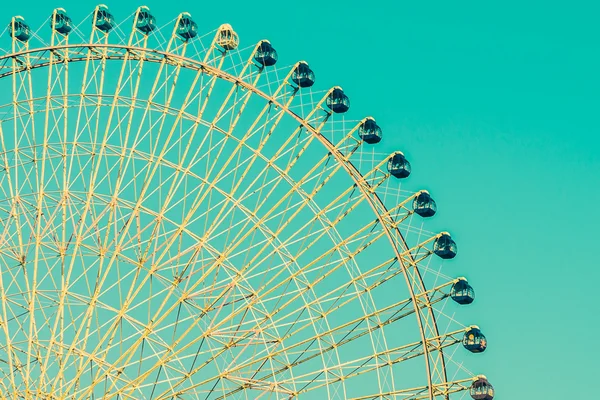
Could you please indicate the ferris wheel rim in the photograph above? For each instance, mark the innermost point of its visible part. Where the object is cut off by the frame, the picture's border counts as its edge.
(372, 197)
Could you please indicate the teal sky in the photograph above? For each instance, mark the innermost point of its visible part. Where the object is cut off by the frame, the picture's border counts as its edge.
(496, 106)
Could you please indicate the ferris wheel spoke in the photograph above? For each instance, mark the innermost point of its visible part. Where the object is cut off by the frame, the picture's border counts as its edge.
(21, 99)
(7, 336)
(419, 393)
(22, 88)
(366, 364)
(50, 131)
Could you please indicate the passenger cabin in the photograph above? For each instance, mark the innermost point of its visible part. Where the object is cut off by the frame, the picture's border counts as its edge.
(18, 29)
(61, 22)
(186, 27)
(337, 101)
(444, 247)
(369, 131)
(303, 76)
(145, 21)
(265, 54)
(227, 38)
(474, 340)
(462, 292)
(104, 20)
(398, 166)
(481, 389)
(424, 205)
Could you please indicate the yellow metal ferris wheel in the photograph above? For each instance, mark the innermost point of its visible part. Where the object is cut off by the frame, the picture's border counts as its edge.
(185, 219)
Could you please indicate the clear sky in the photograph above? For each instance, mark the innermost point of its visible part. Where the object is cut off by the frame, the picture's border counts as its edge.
(496, 105)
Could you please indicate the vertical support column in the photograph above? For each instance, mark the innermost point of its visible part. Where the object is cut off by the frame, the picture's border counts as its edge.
(56, 134)
(24, 150)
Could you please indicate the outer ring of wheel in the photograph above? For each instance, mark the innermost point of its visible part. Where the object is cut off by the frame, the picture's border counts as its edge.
(404, 257)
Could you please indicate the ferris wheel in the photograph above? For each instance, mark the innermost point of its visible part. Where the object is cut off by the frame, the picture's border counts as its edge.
(182, 218)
